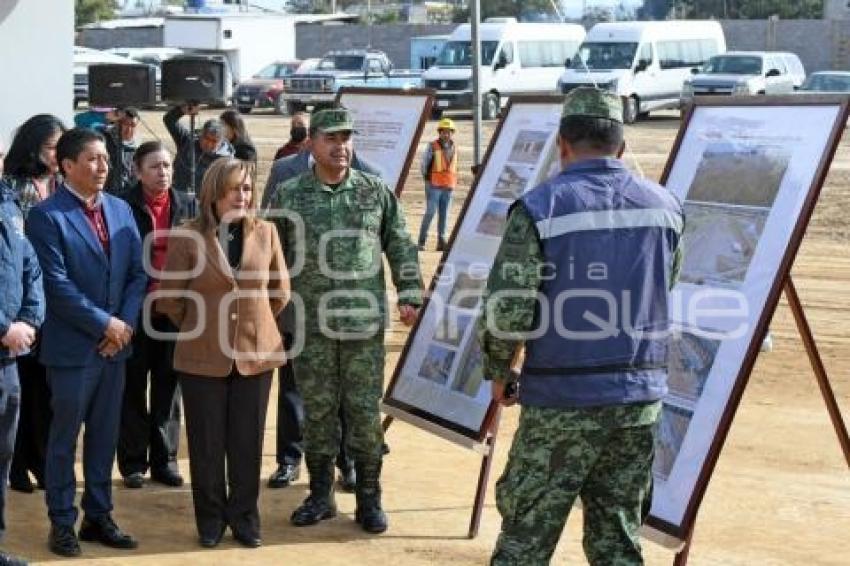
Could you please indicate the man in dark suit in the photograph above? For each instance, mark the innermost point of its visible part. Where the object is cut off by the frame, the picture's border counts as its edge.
(91, 255)
(290, 406)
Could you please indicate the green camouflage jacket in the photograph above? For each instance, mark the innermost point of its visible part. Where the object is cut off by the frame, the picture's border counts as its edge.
(333, 239)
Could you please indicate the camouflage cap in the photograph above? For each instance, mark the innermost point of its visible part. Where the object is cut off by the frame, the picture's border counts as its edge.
(332, 120)
(594, 103)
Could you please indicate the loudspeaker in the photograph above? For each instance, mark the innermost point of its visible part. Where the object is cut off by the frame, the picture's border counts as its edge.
(121, 85)
(195, 79)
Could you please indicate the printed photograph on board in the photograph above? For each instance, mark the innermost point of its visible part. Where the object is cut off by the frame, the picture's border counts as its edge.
(467, 289)
(720, 242)
(471, 373)
(452, 327)
(669, 437)
(494, 219)
(527, 146)
(734, 173)
(691, 355)
(512, 181)
(437, 364)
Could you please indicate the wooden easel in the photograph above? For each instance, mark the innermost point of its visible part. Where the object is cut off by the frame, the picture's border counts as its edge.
(824, 385)
(483, 474)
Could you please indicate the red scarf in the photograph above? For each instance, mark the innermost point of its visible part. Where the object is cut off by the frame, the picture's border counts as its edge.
(159, 208)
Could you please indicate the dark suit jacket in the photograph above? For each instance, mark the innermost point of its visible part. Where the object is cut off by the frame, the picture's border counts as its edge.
(83, 286)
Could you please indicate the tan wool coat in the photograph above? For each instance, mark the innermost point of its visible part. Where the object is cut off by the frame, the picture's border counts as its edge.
(225, 318)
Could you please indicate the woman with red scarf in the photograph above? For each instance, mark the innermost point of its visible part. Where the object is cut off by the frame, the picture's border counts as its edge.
(149, 435)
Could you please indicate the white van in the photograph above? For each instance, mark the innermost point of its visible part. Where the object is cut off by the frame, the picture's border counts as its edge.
(646, 63)
(516, 58)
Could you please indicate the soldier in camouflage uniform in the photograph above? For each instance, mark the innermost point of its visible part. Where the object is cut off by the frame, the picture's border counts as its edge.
(338, 222)
(590, 387)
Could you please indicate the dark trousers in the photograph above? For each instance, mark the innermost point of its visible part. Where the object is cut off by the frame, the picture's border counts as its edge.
(10, 397)
(34, 422)
(225, 422)
(89, 395)
(149, 438)
(290, 423)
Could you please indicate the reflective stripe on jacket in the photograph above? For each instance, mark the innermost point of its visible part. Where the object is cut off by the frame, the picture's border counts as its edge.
(443, 175)
(608, 239)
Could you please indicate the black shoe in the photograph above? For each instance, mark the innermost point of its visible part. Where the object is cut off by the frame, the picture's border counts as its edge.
(348, 479)
(211, 541)
(442, 245)
(134, 480)
(246, 539)
(313, 510)
(63, 541)
(284, 475)
(9, 560)
(106, 532)
(21, 482)
(167, 476)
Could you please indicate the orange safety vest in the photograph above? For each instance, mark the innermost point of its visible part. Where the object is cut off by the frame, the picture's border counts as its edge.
(443, 175)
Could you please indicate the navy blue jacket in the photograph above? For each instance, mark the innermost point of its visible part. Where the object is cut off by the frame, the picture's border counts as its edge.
(611, 237)
(85, 287)
(22, 299)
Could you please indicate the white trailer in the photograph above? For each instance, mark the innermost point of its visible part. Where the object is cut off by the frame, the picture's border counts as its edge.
(247, 41)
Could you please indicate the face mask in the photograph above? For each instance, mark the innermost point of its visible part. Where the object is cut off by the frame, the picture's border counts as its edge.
(298, 134)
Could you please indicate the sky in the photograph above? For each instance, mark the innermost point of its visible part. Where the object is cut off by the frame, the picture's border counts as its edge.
(573, 8)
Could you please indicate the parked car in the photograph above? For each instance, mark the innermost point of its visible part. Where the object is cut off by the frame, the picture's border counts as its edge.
(746, 73)
(353, 67)
(83, 57)
(265, 89)
(827, 82)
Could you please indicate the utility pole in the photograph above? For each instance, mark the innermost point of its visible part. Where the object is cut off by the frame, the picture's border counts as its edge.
(474, 15)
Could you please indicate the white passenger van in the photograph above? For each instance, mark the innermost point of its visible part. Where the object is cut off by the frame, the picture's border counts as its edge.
(516, 58)
(646, 63)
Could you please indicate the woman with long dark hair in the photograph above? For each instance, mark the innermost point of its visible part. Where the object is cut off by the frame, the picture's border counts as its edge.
(237, 134)
(31, 167)
(32, 172)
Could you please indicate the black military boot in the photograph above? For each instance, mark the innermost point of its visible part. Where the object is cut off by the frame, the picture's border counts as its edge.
(369, 513)
(320, 504)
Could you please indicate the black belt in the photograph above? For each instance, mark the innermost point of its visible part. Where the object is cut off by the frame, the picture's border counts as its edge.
(592, 369)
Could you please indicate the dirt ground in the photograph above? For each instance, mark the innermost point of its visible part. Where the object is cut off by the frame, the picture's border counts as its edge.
(779, 495)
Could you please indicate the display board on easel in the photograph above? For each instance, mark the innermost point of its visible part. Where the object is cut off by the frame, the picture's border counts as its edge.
(389, 124)
(438, 383)
(749, 171)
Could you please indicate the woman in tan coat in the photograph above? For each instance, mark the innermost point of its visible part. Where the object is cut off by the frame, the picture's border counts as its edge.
(224, 283)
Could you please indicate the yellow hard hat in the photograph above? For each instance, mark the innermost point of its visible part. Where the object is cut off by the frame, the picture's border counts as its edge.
(446, 124)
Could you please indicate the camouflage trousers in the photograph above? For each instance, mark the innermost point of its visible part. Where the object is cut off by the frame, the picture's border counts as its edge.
(601, 455)
(332, 373)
